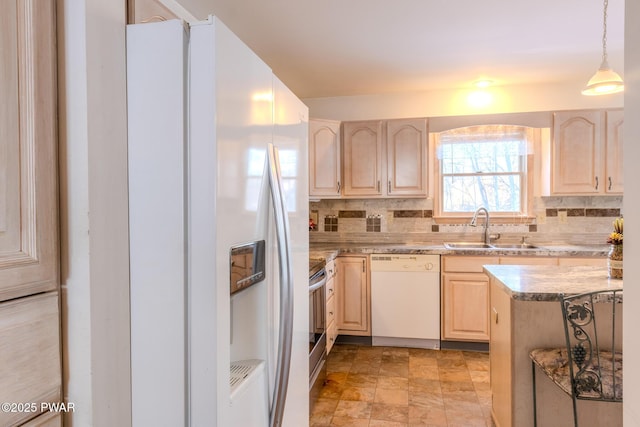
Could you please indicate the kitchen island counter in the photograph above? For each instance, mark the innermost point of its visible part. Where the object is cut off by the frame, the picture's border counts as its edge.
(536, 283)
(525, 314)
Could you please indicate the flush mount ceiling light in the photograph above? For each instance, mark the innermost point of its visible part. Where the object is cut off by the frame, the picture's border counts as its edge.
(484, 83)
(605, 80)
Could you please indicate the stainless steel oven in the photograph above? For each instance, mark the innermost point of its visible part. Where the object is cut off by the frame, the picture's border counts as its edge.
(317, 333)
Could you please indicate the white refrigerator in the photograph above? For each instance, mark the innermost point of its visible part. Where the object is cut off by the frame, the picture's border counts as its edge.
(204, 111)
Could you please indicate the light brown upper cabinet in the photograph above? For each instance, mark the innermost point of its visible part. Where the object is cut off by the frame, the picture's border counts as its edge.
(324, 159)
(363, 174)
(613, 152)
(406, 157)
(385, 158)
(142, 11)
(587, 152)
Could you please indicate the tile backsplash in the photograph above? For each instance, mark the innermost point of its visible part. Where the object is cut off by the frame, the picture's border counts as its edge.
(574, 219)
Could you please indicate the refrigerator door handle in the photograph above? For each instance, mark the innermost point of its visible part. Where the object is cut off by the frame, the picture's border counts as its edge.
(285, 335)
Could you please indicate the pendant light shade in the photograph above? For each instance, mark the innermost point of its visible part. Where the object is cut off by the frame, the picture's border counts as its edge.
(605, 80)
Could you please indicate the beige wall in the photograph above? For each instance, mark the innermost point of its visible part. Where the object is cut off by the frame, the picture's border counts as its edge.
(507, 99)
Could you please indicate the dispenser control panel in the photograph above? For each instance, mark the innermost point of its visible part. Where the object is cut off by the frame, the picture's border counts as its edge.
(246, 265)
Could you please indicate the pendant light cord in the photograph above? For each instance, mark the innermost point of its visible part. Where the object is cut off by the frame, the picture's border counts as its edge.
(604, 33)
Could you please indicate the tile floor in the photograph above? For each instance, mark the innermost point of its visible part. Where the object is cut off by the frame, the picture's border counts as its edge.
(391, 386)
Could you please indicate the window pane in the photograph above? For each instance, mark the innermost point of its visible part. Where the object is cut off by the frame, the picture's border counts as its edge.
(498, 193)
(481, 157)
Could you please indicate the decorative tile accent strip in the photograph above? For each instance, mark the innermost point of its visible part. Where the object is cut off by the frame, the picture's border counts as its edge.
(603, 212)
(533, 228)
(552, 212)
(427, 214)
(575, 212)
(407, 214)
(435, 228)
(351, 214)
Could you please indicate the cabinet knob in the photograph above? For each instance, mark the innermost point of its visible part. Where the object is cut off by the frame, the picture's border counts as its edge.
(596, 182)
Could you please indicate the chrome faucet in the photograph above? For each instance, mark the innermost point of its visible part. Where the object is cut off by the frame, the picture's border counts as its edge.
(487, 239)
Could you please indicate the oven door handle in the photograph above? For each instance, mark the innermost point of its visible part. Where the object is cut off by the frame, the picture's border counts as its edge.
(318, 285)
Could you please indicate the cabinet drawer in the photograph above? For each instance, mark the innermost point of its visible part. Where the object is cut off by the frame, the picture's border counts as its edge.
(330, 267)
(29, 353)
(331, 310)
(330, 288)
(467, 264)
(47, 419)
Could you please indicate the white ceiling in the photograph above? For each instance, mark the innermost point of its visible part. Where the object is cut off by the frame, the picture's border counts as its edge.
(322, 48)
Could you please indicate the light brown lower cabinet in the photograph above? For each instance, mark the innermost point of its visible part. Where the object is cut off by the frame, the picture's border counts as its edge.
(30, 364)
(353, 296)
(465, 298)
(48, 419)
(465, 305)
(465, 291)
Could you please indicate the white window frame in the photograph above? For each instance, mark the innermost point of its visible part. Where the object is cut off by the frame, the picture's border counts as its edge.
(526, 187)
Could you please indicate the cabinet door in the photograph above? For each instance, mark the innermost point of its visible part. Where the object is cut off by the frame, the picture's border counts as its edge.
(465, 307)
(576, 158)
(407, 157)
(30, 365)
(324, 159)
(28, 150)
(141, 11)
(363, 158)
(352, 296)
(613, 153)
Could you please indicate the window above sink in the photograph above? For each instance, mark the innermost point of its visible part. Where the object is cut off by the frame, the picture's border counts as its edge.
(486, 165)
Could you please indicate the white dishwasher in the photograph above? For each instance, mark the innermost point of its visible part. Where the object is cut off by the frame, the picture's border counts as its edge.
(405, 300)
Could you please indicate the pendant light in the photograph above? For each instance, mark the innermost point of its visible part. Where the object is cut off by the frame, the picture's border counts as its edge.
(605, 80)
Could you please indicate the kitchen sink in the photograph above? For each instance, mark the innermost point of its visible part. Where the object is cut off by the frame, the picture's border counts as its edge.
(480, 245)
(467, 245)
(513, 246)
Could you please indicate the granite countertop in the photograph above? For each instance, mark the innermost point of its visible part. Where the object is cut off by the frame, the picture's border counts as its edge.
(331, 250)
(547, 283)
